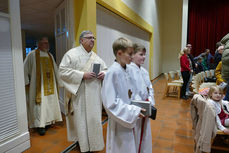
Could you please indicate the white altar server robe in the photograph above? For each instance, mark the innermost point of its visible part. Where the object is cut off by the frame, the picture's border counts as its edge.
(122, 116)
(142, 82)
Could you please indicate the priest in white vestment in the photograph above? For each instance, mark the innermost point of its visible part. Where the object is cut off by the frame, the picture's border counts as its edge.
(83, 94)
(41, 77)
(145, 90)
(117, 89)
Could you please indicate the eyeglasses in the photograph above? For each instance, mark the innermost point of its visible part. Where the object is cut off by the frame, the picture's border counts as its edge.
(90, 38)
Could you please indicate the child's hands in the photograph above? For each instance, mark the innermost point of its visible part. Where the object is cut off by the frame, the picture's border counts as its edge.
(226, 131)
(141, 115)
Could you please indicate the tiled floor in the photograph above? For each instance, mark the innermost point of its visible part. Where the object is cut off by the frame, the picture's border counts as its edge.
(171, 131)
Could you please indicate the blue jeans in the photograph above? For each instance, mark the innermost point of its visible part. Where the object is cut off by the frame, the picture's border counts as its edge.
(227, 92)
(188, 84)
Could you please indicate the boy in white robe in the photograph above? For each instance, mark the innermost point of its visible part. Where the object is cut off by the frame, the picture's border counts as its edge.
(41, 77)
(145, 91)
(116, 92)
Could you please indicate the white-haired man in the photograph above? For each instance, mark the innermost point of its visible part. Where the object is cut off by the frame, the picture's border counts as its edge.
(41, 77)
(83, 98)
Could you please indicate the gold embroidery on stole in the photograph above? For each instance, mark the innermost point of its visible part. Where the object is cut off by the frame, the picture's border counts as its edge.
(38, 76)
(47, 71)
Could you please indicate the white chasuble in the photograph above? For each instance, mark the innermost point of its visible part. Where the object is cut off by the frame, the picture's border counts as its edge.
(122, 116)
(83, 104)
(48, 110)
(145, 91)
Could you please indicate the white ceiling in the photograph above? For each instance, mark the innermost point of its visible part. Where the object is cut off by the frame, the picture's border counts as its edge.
(37, 16)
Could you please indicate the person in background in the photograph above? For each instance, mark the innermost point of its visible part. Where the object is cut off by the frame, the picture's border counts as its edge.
(41, 80)
(210, 57)
(199, 67)
(207, 57)
(204, 61)
(219, 80)
(217, 46)
(193, 67)
(225, 63)
(83, 90)
(189, 46)
(185, 71)
(218, 55)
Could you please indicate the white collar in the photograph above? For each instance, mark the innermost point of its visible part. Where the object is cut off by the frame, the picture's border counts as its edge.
(135, 65)
(120, 66)
(43, 51)
(86, 52)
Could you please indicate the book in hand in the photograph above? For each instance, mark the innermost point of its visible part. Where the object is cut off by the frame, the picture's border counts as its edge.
(143, 104)
(96, 68)
(153, 113)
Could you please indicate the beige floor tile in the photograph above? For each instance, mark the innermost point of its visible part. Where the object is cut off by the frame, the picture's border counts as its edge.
(163, 144)
(183, 148)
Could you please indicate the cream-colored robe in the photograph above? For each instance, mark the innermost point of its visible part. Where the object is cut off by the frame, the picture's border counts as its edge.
(48, 111)
(204, 123)
(84, 119)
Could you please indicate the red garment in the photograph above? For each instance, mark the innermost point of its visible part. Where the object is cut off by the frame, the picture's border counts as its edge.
(184, 63)
(223, 116)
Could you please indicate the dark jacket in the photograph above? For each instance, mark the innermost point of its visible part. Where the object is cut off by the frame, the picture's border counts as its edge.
(193, 62)
(199, 68)
(217, 59)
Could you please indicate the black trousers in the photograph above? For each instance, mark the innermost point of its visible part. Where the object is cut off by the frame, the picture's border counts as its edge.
(185, 76)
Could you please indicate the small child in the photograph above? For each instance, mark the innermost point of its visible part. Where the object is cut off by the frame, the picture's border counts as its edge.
(116, 96)
(199, 67)
(146, 93)
(215, 95)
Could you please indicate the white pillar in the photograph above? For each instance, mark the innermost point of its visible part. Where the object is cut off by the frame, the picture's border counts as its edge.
(184, 24)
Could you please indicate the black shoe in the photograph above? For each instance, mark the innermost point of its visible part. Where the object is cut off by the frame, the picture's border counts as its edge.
(47, 127)
(41, 131)
(184, 97)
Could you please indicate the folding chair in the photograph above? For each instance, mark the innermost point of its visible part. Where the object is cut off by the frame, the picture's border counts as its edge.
(176, 87)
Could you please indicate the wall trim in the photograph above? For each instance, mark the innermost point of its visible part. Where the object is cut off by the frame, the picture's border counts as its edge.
(19, 143)
(85, 18)
(184, 24)
(121, 9)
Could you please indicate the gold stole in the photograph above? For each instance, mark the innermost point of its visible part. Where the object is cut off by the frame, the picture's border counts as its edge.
(88, 65)
(47, 69)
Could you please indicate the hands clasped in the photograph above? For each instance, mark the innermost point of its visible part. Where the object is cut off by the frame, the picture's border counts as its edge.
(91, 75)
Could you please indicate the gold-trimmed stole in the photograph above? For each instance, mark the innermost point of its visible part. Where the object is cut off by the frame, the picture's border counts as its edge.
(47, 70)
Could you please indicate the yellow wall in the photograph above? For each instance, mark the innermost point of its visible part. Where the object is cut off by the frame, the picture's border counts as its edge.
(171, 34)
(85, 19)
